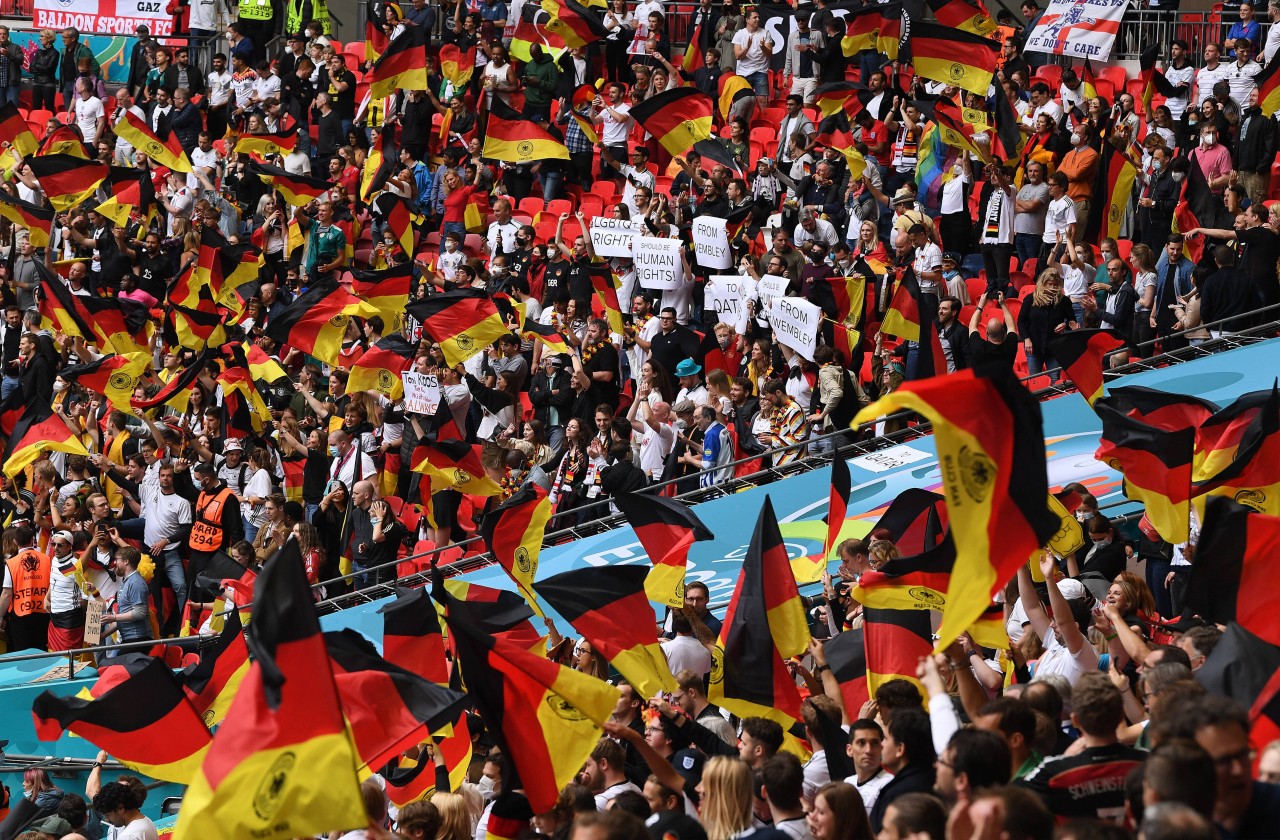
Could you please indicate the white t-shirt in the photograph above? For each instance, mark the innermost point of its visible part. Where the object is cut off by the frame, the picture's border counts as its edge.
(1074, 283)
(140, 829)
(219, 87)
(1056, 659)
(1053, 109)
(267, 87)
(64, 592)
(604, 797)
(687, 652)
(928, 258)
(163, 515)
(870, 789)
(88, 112)
(613, 132)
(259, 487)
(655, 446)
(953, 200)
(755, 59)
(1059, 217)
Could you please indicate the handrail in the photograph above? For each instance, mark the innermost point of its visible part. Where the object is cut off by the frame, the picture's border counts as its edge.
(468, 564)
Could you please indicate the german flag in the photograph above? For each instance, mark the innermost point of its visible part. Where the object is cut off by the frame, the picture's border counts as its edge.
(315, 321)
(513, 532)
(212, 683)
(382, 161)
(583, 96)
(297, 190)
(1154, 81)
(1233, 578)
(896, 640)
(546, 718)
(388, 709)
(606, 285)
(952, 128)
(282, 764)
(1268, 87)
(1117, 177)
(463, 322)
(532, 28)
(64, 140)
(263, 369)
(1164, 410)
(509, 817)
(194, 328)
(395, 212)
(715, 151)
(732, 87)
(809, 569)
(693, 51)
(145, 722)
(500, 613)
(114, 376)
(990, 443)
(914, 316)
(388, 290)
(246, 413)
(182, 382)
(836, 97)
(67, 180)
(409, 779)
(271, 143)
(15, 131)
(667, 529)
(1156, 464)
(37, 220)
(457, 66)
(609, 607)
(380, 367)
(1009, 143)
(411, 636)
(963, 15)
(513, 139)
(918, 582)
(1237, 453)
(843, 143)
(953, 57)
(889, 40)
(402, 66)
(1082, 354)
(231, 269)
(862, 30)
(167, 152)
(38, 432)
(454, 465)
(572, 23)
(915, 520)
(846, 655)
(551, 338)
(764, 625)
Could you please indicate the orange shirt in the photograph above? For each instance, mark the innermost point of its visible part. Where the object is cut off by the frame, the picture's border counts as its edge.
(1080, 165)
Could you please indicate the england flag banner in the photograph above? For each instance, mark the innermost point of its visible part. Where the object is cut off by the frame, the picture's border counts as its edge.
(1078, 28)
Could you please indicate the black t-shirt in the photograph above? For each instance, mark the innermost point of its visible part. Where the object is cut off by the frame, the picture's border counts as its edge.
(579, 278)
(315, 475)
(604, 358)
(556, 282)
(1261, 249)
(153, 273)
(982, 351)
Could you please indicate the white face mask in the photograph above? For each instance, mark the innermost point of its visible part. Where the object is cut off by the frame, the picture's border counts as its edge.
(59, 385)
(1208, 139)
(1178, 176)
(451, 246)
(485, 786)
(1076, 139)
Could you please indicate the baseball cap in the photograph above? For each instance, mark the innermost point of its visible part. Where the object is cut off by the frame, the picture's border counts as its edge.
(688, 763)
(55, 825)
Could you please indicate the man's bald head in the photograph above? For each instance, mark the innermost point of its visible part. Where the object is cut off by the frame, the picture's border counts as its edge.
(996, 331)
(662, 411)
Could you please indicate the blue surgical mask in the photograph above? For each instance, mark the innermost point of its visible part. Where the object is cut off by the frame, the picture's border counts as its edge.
(333, 450)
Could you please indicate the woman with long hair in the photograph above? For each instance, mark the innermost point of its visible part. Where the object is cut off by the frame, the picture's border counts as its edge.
(532, 442)
(726, 791)
(657, 382)
(838, 813)
(254, 498)
(455, 818)
(1046, 314)
(1132, 597)
(567, 485)
(329, 519)
(718, 394)
(274, 532)
(1143, 261)
(312, 554)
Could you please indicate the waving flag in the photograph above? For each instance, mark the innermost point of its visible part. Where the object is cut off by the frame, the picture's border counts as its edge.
(114, 376)
(317, 319)
(297, 190)
(1232, 578)
(271, 143)
(38, 432)
(457, 66)
(167, 152)
(463, 322)
(1238, 453)
(1083, 354)
(67, 180)
(213, 682)
(667, 529)
(963, 15)
(513, 533)
(953, 57)
(37, 220)
(513, 139)
(403, 65)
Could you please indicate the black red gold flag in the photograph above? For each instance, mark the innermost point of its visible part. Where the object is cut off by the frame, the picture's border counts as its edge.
(693, 52)
(410, 779)
(282, 764)
(316, 320)
(454, 465)
(836, 97)
(1083, 353)
(1156, 464)
(913, 315)
(846, 655)
(1232, 574)
(609, 607)
(501, 613)
(1237, 453)
(388, 708)
(514, 139)
(896, 641)
(381, 163)
(114, 376)
(271, 143)
(764, 625)
(381, 366)
(462, 322)
(917, 582)
(513, 533)
(212, 683)
(551, 338)
(716, 152)
(546, 718)
(963, 15)
(167, 152)
(64, 140)
(990, 442)
(509, 817)
(297, 190)
(15, 131)
(181, 382)
(915, 521)
(809, 569)
(1154, 81)
(457, 66)
(573, 23)
(402, 65)
(145, 722)
(37, 220)
(1246, 668)
(667, 529)
(193, 329)
(731, 88)
(67, 180)
(953, 56)
(36, 433)
(394, 210)
(678, 118)
(583, 96)
(1268, 87)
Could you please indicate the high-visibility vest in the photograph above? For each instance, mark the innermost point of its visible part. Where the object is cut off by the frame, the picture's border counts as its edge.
(206, 531)
(319, 13)
(29, 570)
(256, 10)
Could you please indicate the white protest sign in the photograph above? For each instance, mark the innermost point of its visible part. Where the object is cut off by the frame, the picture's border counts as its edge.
(727, 296)
(772, 286)
(795, 323)
(612, 237)
(657, 262)
(421, 392)
(93, 612)
(711, 243)
(1078, 28)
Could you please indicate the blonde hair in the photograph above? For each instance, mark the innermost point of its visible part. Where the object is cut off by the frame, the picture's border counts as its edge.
(1143, 257)
(48, 33)
(1041, 297)
(880, 552)
(1137, 595)
(455, 817)
(726, 803)
(718, 381)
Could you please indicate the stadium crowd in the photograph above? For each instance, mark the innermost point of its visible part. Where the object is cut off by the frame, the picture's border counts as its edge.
(1091, 723)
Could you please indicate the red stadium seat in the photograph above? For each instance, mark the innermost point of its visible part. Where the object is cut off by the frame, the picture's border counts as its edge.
(976, 286)
(592, 205)
(531, 205)
(559, 206)
(41, 114)
(1050, 74)
(607, 190)
(1115, 74)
